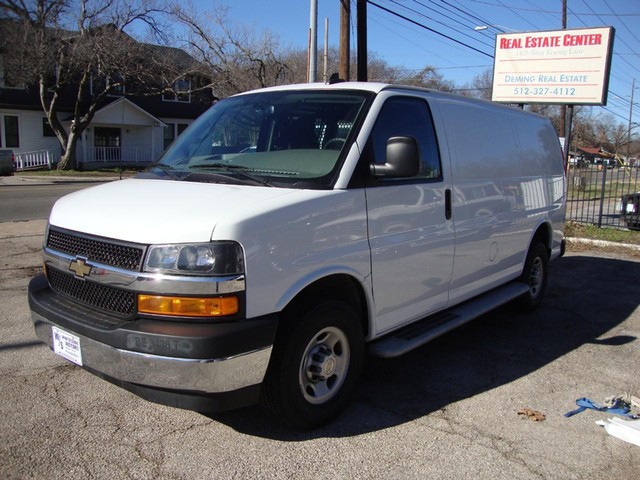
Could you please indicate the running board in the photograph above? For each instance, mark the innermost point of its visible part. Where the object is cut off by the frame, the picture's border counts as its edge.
(418, 333)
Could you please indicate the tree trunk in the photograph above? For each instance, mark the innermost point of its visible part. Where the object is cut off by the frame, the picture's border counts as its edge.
(67, 161)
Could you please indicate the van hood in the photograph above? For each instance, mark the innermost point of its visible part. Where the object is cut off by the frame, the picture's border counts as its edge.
(156, 211)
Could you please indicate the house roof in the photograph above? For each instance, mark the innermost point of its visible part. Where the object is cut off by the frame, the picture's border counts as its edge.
(125, 112)
(174, 55)
(596, 151)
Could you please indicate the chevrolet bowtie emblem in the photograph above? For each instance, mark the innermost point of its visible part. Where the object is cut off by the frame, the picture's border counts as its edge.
(79, 267)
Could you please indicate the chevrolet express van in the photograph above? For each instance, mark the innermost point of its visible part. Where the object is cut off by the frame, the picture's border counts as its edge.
(292, 231)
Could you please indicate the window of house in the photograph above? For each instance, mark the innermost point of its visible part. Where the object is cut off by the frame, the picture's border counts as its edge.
(181, 91)
(169, 135)
(182, 127)
(11, 132)
(47, 131)
(116, 84)
(100, 82)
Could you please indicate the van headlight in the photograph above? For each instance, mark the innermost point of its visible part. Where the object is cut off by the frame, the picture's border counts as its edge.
(215, 258)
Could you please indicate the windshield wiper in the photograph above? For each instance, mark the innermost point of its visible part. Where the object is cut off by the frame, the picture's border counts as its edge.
(240, 170)
(168, 169)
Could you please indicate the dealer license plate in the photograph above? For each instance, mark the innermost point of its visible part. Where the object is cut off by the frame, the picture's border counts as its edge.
(67, 345)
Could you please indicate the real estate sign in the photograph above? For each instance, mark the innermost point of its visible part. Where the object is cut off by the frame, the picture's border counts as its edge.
(561, 66)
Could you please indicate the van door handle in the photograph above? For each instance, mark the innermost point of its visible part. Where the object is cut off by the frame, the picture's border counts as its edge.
(447, 204)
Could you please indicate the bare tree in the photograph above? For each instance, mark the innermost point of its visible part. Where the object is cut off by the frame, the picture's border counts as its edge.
(80, 50)
(582, 130)
(238, 58)
(481, 86)
(429, 77)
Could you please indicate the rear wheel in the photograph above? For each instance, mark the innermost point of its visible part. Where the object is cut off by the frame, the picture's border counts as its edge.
(536, 276)
(315, 366)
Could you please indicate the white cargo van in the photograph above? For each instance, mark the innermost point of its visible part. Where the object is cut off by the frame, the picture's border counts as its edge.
(290, 232)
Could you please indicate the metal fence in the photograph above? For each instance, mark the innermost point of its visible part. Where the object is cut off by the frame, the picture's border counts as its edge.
(599, 194)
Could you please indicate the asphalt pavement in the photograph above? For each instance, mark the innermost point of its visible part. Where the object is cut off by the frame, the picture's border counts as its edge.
(447, 410)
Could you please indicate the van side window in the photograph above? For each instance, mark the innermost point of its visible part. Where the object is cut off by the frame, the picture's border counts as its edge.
(406, 116)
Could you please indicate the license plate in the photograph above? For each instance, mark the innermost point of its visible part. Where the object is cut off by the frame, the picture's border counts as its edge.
(67, 345)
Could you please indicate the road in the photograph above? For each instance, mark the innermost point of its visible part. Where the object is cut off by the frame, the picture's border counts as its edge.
(447, 410)
(32, 201)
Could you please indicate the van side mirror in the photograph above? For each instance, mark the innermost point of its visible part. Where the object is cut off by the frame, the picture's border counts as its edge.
(403, 159)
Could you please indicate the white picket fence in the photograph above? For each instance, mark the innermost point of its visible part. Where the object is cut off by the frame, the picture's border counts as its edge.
(41, 158)
(94, 157)
(118, 155)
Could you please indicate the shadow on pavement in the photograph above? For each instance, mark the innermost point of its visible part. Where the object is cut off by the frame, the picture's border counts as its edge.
(587, 297)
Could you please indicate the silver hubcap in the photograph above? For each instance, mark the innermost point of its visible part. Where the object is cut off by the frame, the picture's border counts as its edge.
(324, 365)
(536, 277)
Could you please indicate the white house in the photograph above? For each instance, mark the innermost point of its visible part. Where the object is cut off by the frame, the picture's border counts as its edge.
(128, 129)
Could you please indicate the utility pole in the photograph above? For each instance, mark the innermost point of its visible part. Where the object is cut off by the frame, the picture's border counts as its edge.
(633, 87)
(566, 111)
(326, 50)
(563, 108)
(361, 11)
(313, 42)
(345, 19)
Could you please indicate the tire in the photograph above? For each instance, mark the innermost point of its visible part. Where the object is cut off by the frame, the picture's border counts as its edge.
(536, 276)
(315, 366)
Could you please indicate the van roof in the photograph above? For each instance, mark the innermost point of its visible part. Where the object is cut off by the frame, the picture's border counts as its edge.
(377, 87)
(368, 86)
(374, 87)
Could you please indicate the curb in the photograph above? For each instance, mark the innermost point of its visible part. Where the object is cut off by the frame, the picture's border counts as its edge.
(50, 179)
(603, 244)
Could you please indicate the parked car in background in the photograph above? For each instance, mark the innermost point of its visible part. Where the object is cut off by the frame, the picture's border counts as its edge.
(7, 165)
(631, 210)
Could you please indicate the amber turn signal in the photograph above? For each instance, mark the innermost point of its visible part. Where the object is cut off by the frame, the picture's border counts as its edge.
(188, 306)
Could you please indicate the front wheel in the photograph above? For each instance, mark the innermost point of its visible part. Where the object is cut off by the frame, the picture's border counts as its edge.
(536, 276)
(315, 366)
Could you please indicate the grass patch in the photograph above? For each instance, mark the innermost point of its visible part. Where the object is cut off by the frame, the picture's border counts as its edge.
(592, 232)
(594, 192)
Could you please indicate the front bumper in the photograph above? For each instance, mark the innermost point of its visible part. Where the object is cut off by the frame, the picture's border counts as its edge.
(163, 361)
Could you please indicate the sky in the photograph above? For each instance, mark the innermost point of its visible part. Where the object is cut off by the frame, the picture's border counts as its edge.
(446, 37)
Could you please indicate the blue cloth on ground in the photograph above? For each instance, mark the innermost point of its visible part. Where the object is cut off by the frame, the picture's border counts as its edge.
(618, 408)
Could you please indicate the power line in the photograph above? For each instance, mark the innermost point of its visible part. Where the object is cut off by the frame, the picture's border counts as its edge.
(619, 39)
(526, 20)
(429, 29)
(450, 15)
(467, 13)
(437, 21)
(454, 15)
(621, 21)
(420, 46)
(557, 12)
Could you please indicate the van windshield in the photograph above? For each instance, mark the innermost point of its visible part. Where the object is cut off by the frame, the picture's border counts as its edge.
(288, 138)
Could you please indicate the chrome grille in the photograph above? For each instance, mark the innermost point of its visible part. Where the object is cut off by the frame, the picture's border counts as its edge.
(108, 299)
(120, 255)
